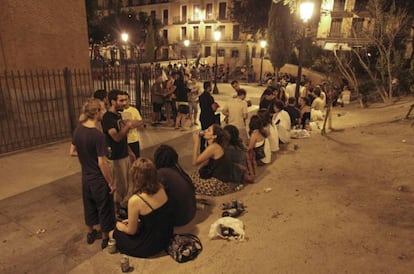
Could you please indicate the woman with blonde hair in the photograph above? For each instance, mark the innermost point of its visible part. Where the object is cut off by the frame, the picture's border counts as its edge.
(149, 226)
(89, 145)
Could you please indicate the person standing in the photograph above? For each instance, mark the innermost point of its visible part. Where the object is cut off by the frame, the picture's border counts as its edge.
(157, 99)
(208, 107)
(116, 130)
(89, 145)
(236, 113)
(133, 138)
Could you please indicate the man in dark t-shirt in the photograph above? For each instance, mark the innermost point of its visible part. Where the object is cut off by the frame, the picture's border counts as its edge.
(89, 145)
(115, 130)
(294, 112)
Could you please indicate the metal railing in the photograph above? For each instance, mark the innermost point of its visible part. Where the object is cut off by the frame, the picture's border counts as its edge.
(40, 107)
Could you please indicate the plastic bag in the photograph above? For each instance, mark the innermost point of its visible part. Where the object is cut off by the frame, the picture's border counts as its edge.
(227, 228)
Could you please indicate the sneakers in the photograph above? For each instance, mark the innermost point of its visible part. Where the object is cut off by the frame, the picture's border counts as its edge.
(91, 237)
(104, 243)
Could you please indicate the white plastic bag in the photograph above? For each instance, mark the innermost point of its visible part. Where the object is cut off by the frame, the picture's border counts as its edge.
(216, 229)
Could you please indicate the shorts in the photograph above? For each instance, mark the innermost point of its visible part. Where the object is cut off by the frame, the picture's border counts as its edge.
(193, 107)
(183, 107)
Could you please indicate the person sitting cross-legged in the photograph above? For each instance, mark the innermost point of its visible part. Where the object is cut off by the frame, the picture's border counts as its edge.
(177, 184)
(214, 177)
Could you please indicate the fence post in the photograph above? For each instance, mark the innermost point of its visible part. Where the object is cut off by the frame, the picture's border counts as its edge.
(67, 77)
(138, 88)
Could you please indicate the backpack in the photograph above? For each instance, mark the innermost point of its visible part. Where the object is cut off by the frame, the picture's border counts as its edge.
(184, 247)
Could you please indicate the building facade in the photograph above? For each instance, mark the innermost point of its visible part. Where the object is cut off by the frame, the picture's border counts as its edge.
(195, 21)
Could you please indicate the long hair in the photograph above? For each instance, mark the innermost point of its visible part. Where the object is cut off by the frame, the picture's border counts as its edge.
(234, 139)
(222, 136)
(90, 109)
(166, 156)
(264, 114)
(144, 177)
(257, 123)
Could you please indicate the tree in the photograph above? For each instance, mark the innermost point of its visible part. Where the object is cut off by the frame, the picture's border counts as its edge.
(251, 15)
(279, 38)
(382, 58)
(149, 54)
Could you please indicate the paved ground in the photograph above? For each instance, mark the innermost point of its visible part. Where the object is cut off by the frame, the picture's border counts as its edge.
(41, 220)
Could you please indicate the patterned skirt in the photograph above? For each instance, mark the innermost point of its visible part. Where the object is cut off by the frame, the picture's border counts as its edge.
(212, 186)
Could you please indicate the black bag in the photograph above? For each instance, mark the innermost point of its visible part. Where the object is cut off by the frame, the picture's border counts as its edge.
(259, 151)
(184, 247)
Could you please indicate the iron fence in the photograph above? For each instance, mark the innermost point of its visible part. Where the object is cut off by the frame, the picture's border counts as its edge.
(40, 107)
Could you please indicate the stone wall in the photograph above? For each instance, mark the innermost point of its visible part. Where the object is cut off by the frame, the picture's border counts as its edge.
(45, 34)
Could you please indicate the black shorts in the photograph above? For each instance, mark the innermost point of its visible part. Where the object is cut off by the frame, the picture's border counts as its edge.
(184, 109)
(156, 107)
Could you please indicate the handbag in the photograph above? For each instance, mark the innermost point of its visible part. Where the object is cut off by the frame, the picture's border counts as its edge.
(184, 247)
(259, 151)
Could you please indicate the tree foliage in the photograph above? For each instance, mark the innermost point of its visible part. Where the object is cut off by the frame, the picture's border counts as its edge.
(383, 56)
(279, 34)
(252, 15)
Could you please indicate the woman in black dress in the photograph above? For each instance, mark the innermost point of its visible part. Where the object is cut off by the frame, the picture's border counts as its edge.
(149, 226)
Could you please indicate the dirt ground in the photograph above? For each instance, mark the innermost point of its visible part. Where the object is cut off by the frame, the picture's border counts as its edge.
(338, 204)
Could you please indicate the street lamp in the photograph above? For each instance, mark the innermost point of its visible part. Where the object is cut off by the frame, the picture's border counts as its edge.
(125, 37)
(186, 44)
(217, 36)
(306, 10)
(262, 46)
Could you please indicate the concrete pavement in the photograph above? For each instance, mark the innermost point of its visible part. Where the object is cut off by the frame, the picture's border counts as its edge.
(41, 215)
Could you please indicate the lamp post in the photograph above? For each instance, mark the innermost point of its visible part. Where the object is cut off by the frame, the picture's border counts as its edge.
(217, 36)
(262, 47)
(186, 44)
(125, 37)
(306, 10)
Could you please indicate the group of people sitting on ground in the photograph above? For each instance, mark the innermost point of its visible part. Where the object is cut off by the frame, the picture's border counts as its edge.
(159, 195)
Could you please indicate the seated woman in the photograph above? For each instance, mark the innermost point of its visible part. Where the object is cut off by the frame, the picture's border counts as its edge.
(258, 141)
(281, 120)
(149, 226)
(178, 185)
(273, 135)
(305, 111)
(214, 177)
(243, 170)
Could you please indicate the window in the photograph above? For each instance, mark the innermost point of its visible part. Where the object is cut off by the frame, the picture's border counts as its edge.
(234, 53)
(207, 51)
(195, 34)
(222, 10)
(336, 26)
(184, 13)
(236, 32)
(165, 17)
(253, 52)
(357, 26)
(165, 34)
(208, 33)
(153, 14)
(196, 12)
(339, 5)
(222, 29)
(183, 33)
(209, 11)
(221, 52)
(165, 53)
